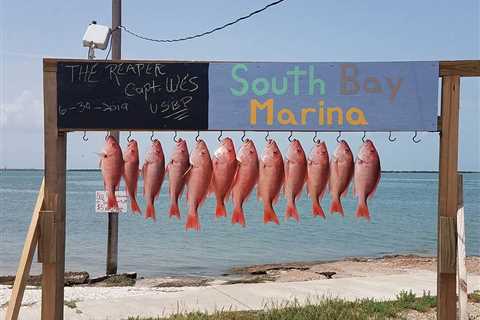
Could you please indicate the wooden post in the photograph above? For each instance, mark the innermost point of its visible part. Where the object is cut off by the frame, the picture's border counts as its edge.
(447, 199)
(25, 260)
(53, 257)
(112, 241)
(461, 266)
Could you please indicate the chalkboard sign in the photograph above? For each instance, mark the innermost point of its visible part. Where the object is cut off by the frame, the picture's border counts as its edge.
(94, 95)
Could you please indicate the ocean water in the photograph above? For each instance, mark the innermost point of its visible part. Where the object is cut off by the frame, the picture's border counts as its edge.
(404, 220)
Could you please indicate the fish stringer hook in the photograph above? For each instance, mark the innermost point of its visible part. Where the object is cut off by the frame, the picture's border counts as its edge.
(85, 136)
(364, 136)
(290, 137)
(413, 139)
(390, 138)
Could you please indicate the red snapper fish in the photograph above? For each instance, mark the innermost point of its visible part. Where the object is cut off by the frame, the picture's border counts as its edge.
(111, 164)
(270, 180)
(130, 173)
(245, 179)
(341, 174)
(367, 177)
(295, 176)
(199, 177)
(225, 164)
(317, 176)
(153, 172)
(176, 168)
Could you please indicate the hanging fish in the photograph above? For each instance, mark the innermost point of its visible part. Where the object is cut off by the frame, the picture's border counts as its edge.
(130, 173)
(341, 173)
(111, 164)
(317, 176)
(270, 180)
(199, 177)
(295, 176)
(176, 168)
(367, 177)
(224, 168)
(153, 172)
(245, 179)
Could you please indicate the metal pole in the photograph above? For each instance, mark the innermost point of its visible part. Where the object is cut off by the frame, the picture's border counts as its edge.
(112, 242)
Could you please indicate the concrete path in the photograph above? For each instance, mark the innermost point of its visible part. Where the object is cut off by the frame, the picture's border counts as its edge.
(119, 303)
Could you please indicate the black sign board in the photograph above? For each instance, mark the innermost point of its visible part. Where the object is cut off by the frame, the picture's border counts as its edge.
(96, 95)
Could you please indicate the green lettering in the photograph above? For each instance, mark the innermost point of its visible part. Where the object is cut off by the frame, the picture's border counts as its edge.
(244, 83)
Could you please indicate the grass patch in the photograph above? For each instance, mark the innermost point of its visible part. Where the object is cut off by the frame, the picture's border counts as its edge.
(474, 296)
(321, 309)
(72, 304)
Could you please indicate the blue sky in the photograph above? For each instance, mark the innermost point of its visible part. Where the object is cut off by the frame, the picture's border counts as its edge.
(294, 31)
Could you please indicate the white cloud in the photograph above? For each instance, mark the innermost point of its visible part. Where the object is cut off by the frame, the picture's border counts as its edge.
(24, 113)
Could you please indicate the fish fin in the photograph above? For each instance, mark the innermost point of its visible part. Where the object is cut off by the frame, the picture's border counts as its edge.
(150, 212)
(134, 206)
(112, 201)
(220, 210)
(362, 210)
(374, 188)
(211, 186)
(345, 192)
(317, 210)
(174, 210)
(192, 222)
(238, 216)
(269, 214)
(292, 212)
(235, 177)
(336, 206)
(286, 167)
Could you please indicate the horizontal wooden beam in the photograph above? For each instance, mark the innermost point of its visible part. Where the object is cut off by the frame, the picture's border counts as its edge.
(463, 68)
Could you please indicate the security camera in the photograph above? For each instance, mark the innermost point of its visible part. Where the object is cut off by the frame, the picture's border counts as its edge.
(96, 37)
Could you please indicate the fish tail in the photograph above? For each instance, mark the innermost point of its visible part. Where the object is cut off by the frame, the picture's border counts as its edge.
(174, 210)
(362, 210)
(220, 210)
(292, 212)
(269, 214)
(192, 222)
(336, 206)
(317, 210)
(238, 216)
(192, 219)
(150, 213)
(112, 200)
(134, 206)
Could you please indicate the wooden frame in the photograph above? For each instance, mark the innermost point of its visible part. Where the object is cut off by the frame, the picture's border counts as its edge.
(52, 241)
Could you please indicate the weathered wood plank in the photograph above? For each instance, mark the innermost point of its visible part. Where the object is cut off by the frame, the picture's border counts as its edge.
(448, 245)
(447, 198)
(25, 259)
(55, 165)
(461, 266)
(463, 68)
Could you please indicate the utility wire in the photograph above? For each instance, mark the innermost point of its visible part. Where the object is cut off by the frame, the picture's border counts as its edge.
(203, 33)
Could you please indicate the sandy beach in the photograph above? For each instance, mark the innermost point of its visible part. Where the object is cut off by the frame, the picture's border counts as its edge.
(251, 288)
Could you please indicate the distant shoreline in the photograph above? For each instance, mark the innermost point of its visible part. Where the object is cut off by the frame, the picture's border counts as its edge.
(94, 170)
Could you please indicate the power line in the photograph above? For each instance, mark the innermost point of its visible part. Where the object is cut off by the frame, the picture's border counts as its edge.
(203, 33)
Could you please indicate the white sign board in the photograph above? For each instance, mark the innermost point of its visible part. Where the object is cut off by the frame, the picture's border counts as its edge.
(101, 201)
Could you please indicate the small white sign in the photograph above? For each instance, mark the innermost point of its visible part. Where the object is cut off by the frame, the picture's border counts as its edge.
(101, 201)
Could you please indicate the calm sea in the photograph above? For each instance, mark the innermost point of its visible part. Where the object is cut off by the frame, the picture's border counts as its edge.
(404, 220)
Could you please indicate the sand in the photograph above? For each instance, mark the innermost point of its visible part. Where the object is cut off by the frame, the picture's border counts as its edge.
(356, 278)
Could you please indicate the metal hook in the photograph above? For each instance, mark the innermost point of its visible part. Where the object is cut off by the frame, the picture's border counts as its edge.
(175, 137)
(151, 137)
(315, 139)
(290, 136)
(107, 135)
(267, 136)
(220, 136)
(198, 136)
(339, 135)
(129, 136)
(85, 136)
(243, 136)
(390, 138)
(413, 139)
(364, 136)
